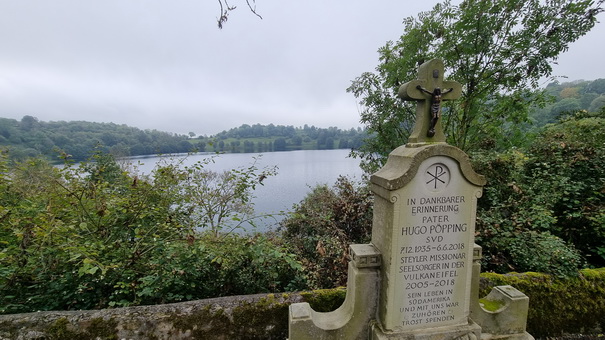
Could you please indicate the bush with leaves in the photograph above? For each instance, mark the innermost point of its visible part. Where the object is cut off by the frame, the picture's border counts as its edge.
(544, 253)
(323, 226)
(543, 208)
(569, 160)
(216, 201)
(93, 236)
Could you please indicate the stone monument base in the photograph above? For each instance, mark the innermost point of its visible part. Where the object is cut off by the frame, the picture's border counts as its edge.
(470, 331)
(351, 320)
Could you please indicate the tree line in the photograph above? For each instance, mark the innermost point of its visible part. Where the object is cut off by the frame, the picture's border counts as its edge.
(265, 138)
(76, 140)
(30, 137)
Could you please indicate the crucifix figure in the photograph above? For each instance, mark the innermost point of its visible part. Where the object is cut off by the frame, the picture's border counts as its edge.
(430, 90)
(436, 96)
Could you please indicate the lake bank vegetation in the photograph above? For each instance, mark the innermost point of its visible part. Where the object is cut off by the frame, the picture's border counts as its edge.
(98, 236)
(78, 140)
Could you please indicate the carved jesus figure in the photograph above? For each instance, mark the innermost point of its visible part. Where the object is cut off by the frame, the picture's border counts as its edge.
(435, 106)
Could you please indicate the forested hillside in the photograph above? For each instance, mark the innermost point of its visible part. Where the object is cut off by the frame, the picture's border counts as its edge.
(31, 137)
(570, 97)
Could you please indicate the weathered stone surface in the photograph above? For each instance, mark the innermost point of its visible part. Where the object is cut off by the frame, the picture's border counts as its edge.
(502, 314)
(468, 331)
(403, 163)
(423, 226)
(430, 77)
(237, 317)
(350, 321)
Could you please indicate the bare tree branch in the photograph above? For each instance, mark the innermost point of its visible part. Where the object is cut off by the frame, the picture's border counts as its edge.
(253, 9)
(226, 9)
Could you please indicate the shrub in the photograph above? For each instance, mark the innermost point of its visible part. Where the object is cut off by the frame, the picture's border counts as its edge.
(545, 253)
(550, 196)
(211, 267)
(568, 163)
(323, 226)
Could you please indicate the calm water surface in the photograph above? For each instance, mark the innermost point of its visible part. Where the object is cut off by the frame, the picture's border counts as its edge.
(297, 173)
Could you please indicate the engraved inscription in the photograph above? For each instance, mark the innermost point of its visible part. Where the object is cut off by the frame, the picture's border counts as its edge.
(434, 252)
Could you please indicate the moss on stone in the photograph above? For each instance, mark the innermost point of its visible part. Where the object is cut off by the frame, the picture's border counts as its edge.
(491, 305)
(99, 329)
(557, 306)
(60, 330)
(325, 300)
(266, 318)
(201, 323)
(597, 273)
(8, 328)
(103, 329)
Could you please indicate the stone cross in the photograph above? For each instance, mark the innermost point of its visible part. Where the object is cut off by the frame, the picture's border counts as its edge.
(430, 90)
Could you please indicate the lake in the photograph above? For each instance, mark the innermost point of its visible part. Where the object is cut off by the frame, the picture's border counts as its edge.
(298, 172)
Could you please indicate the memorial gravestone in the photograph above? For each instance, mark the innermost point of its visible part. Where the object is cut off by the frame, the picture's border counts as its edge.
(418, 278)
(429, 193)
(427, 244)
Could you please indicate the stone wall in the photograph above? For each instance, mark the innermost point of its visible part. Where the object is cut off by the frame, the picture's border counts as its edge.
(557, 306)
(239, 317)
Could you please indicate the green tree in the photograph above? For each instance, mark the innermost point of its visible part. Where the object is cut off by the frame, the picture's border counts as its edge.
(279, 144)
(248, 146)
(597, 103)
(564, 105)
(597, 86)
(218, 200)
(329, 143)
(497, 49)
(28, 122)
(297, 140)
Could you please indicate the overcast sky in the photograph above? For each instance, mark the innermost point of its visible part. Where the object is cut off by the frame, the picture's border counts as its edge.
(164, 64)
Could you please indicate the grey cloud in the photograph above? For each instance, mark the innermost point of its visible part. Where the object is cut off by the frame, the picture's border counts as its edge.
(160, 64)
